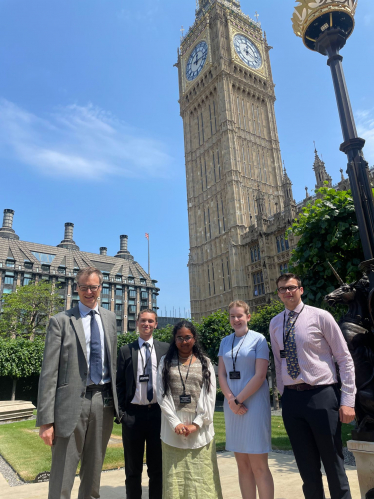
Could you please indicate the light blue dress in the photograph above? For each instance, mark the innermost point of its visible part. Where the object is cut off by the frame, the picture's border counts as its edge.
(250, 433)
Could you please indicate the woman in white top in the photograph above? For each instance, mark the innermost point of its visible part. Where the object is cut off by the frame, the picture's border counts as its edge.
(186, 393)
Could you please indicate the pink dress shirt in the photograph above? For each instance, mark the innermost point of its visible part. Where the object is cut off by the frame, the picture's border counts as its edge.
(319, 344)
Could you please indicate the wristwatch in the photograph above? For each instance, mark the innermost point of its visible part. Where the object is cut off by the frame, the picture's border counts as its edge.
(236, 402)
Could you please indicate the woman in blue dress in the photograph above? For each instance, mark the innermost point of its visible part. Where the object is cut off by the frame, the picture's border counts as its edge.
(242, 367)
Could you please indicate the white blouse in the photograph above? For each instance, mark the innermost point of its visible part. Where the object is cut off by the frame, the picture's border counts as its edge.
(170, 418)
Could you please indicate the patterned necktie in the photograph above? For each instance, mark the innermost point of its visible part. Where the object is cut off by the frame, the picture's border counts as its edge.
(293, 367)
(148, 370)
(95, 352)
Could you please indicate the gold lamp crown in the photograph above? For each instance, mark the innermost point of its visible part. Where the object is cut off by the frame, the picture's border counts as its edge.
(311, 17)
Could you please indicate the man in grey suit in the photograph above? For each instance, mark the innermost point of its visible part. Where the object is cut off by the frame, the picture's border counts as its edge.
(77, 397)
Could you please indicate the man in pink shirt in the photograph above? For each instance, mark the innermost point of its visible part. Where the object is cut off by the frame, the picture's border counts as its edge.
(306, 343)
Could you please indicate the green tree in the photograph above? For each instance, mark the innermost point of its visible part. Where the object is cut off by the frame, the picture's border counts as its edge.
(20, 358)
(260, 322)
(212, 330)
(328, 232)
(26, 312)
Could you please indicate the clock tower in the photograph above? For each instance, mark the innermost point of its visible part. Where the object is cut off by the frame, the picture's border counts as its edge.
(231, 145)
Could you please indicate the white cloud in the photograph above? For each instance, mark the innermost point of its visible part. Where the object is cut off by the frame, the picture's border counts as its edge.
(365, 129)
(83, 141)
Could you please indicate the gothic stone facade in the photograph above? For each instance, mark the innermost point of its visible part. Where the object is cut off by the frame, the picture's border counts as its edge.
(127, 288)
(239, 198)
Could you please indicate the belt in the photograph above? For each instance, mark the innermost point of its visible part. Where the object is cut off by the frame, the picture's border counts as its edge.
(145, 407)
(302, 387)
(99, 388)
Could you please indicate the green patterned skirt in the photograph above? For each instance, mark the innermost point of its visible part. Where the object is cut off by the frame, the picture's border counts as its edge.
(190, 473)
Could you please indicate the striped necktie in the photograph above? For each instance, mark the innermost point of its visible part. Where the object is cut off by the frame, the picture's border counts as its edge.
(148, 370)
(293, 367)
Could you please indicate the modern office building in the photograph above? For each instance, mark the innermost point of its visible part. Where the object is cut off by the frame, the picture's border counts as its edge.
(126, 290)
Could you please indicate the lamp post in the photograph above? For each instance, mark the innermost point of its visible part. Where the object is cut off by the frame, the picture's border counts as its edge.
(325, 26)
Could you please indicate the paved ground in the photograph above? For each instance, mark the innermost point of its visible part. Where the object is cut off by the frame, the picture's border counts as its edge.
(286, 478)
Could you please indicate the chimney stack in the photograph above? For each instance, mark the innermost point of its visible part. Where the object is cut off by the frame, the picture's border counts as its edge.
(68, 242)
(7, 229)
(123, 251)
(123, 242)
(103, 250)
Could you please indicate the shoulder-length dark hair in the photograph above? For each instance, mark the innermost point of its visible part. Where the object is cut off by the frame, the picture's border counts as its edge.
(173, 351)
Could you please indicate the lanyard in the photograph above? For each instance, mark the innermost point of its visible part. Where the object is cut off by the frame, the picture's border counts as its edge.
(180, 374)
(284, 323)
(232, 350)
(150, 356)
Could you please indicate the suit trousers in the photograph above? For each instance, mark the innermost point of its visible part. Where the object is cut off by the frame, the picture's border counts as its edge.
(87, 444)
(141, 424)
(311, 419)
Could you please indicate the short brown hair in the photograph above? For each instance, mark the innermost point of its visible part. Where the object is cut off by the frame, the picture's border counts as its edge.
(87, 271)
(241, 304)
(287, 277)
(149, 311)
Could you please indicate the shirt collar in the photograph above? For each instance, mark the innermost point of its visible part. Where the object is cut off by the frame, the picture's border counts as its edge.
(297, 310)
(83, 310)
(141, 341)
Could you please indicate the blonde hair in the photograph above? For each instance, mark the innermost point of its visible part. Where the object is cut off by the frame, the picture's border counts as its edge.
(240, 304)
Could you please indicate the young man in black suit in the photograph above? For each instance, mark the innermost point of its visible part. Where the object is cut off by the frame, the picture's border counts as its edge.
(140, 414)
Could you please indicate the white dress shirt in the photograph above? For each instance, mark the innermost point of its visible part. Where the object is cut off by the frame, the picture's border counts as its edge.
(170, 418)
(86, 322)
(140, 396)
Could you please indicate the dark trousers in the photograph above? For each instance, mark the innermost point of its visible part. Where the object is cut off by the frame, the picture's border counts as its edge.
(141, 425)
(312, 422)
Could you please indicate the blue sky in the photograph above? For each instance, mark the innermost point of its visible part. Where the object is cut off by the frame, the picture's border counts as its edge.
(90, 130)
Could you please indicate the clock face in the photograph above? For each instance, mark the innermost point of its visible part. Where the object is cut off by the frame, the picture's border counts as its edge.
(196, 60)
(247, 51)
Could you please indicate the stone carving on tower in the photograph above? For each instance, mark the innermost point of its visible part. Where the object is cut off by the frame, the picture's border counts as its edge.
(289, 202)
(231, 147)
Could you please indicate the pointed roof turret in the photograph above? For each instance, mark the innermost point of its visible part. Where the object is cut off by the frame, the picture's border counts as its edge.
(320, 171)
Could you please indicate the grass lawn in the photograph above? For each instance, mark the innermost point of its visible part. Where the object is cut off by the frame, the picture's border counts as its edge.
(21, 446)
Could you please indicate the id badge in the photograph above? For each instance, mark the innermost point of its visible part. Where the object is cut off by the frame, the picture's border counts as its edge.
(144, 378)
(108, 402)
(185, 399)
(282, 354)
(234, 374)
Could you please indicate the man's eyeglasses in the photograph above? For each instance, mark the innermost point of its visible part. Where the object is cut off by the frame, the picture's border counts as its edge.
(86, 288)
(288, 288)
(181, 339)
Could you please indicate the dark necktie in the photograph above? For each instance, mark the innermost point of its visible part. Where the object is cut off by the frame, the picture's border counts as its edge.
(148, 370)
(95, 353)
(293, 367)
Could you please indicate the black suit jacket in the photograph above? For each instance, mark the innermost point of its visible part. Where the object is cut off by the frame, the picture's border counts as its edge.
(127, 367)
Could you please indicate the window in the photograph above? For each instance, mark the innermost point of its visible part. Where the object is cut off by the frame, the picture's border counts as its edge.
(244, 120)
(131, 325)
(75, 270)
(130, 278)
(205, 226)
(119, 277)
(28, 264)
(119, 291)
(219, 166)
(258, 281)
(206, 175)
(214, 168)
(255, 253)
(219, 221)
(27, 279)
(118, 307)
(132, 309)
(9, 263)
(132, 293)
(215, 119)
(119, 324)
(210, 293)
(214, 284)
(8, 280)
(43, 257)
(105, 277)
(244, 166)
(46, 268)
(282, 244)
(6, 291)
(144, 295)
(283, 268)
(259, 122)
(210, 232)
(210, 119)
(228, 273)
(223, 216)
(223, 276)
(198, 129)
(61, 270)
(202, 125)
(254, 119)
(105, 305)
(105, 290)
(238, 106)
(202, 178)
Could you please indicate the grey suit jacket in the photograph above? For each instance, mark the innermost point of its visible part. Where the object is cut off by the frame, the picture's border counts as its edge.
(63, 378)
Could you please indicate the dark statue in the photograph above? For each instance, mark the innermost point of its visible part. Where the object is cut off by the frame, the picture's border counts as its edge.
(357, 326)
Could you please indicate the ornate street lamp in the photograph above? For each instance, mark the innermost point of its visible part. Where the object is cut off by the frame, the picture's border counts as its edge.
(325, 26)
